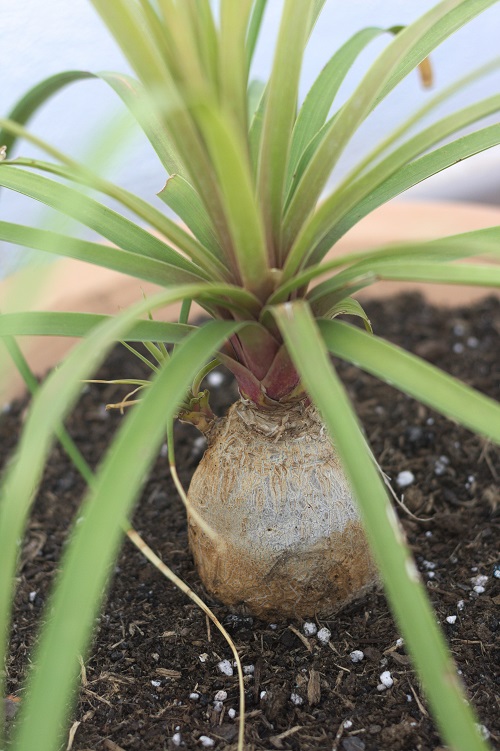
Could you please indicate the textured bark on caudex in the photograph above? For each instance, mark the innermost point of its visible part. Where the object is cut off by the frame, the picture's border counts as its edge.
(287, 540)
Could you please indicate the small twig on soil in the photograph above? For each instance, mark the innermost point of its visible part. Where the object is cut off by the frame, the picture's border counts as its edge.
(419, 703)
(151, 556)
(302, 638)
(209, 632)
(83, 672)
(387, 482)
(485, 456)
(88, 692)
(72, 733)
(276, 740)
(338, 736)
(112, 746)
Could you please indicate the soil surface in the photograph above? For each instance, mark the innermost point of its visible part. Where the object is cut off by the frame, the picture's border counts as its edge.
(152, 679)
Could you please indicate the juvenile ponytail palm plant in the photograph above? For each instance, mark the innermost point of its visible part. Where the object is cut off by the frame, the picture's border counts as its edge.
(288, 494)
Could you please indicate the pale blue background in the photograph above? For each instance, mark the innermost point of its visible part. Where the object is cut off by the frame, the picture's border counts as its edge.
(42, 37)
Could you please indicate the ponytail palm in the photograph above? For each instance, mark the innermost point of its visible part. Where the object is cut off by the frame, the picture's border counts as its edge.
(246, 168)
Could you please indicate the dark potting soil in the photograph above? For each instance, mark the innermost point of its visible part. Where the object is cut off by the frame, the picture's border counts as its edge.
(152, 677)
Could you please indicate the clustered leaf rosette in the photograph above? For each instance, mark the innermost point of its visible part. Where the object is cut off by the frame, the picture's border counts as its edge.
(246, 167)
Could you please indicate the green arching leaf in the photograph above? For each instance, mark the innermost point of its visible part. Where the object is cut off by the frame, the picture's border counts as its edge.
(36, 97)
(455, 247)
(348, 307)
(96, 538)
(404, 588)
(130, 91)
(254, 26)
(127, 23)
(41, 323)
(317, 104)
(228, 155)
(413, 173)
(92, 214)
(224, 295)
(185, 201)
(136, 99)
(233, 60)
(441, 273)
(200, 12)
(456, 15)
(306, 157)
(168, 101)
(124, 261)
(255, 129)
(279, 116)
(257, 104)
(414, 376)
(430, 105)
(468, 274)
(413, 44)
(52, 404)
(345, 198)
(256, 90)
(73, 171)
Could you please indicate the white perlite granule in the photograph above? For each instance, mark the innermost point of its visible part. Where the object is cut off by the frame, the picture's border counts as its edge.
(220, 696)
(451, 619)
(324, 635)
(225, 667)
(386, 680)
(215, 378)
(479, 582)
(357, 655)
(405, 478)
(310, 628)
(296, 699)
(206, 742)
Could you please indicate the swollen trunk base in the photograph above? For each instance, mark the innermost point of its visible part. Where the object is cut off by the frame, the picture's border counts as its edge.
(288, 539)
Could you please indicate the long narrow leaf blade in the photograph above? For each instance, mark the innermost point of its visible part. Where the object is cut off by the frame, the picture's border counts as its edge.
(124, 261)
(182, 198)
(414, 376)
(455, 247)
(96, 538)
(41, 323)
(244, 220)
(347, 197)
(318, 102)
(92, 214)
(474, 275)
(401, 579)
(281, 103)
(314, 243)
(407, 49)
(36, 98)
(54, 400)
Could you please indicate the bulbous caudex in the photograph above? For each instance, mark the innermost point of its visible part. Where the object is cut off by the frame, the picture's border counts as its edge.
(286, 537)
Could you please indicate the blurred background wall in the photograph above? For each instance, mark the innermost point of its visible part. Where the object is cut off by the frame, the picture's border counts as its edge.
(38, 39)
